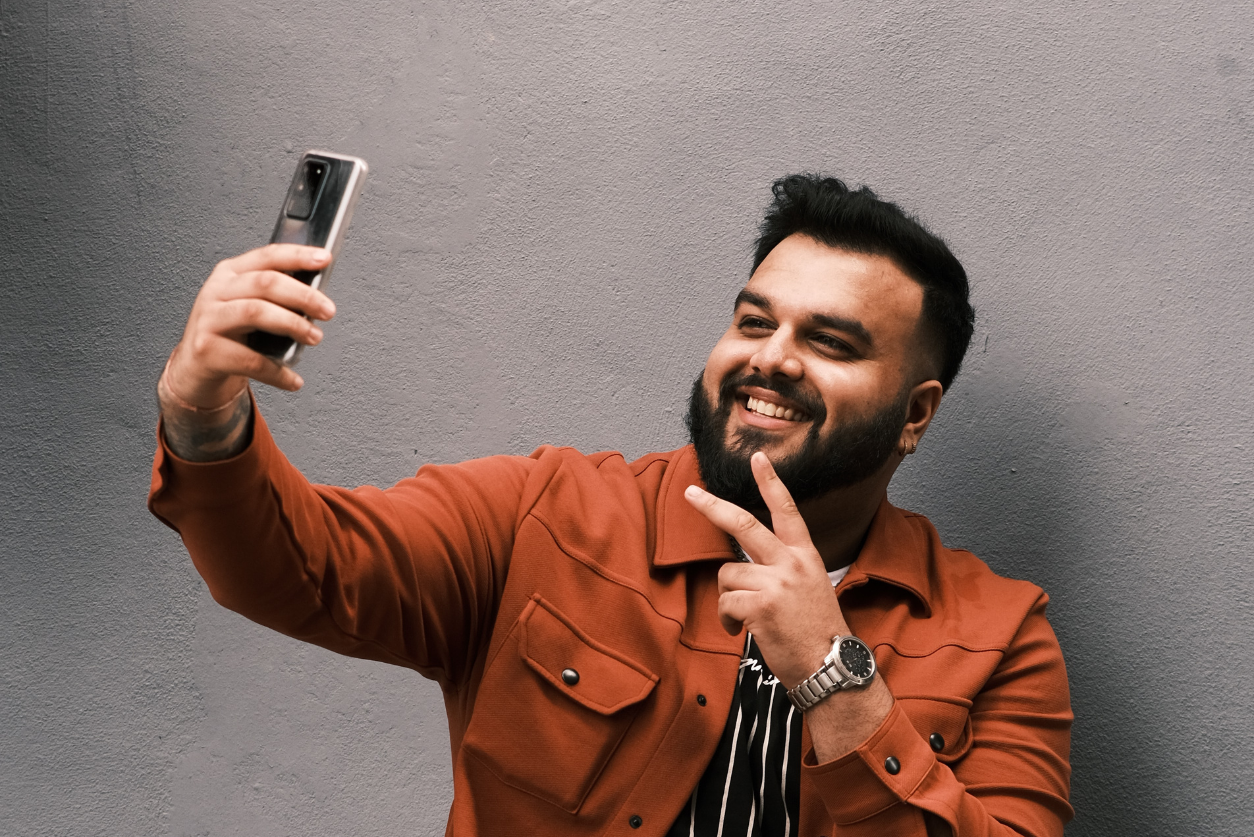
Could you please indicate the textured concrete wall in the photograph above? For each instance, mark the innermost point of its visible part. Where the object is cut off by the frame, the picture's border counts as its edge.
(562, 202)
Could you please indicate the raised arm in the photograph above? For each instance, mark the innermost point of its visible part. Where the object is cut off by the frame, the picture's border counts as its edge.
(409, 575)
(203, 390)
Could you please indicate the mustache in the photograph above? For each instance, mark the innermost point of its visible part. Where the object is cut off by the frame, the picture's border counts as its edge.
(809, 402)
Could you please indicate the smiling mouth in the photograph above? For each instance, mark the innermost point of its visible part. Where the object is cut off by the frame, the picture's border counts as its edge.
(762, 407)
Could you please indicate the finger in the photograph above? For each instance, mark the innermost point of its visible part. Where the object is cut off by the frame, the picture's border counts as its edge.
(238, 317)
(280, 257)
(281, 289)
(753, 537)
(736, 608)
(739, 576)
(235, 358)
(790, 527)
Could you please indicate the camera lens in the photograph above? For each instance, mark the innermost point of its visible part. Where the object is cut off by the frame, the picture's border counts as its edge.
(305, 187)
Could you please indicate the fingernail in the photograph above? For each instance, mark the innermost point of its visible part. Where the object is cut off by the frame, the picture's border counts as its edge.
(315, 336)
(693, 492)
(298, 382)
(328, 310)
(320, 256)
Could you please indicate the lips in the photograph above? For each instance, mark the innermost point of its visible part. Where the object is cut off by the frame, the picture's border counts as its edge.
(770, 403)
(764, 402)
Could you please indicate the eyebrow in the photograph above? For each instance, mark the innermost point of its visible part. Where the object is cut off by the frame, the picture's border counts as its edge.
(853, 327)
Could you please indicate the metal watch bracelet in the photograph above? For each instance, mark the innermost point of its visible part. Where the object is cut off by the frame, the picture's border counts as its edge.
(811, 691)
(828, 679)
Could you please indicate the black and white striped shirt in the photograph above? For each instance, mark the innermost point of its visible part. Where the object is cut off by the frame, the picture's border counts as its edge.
(752, 785)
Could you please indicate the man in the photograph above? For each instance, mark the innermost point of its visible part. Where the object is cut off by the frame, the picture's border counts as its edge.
(623, 651)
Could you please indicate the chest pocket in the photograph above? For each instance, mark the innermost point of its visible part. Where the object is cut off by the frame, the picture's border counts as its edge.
(944, 724)
(553, 706)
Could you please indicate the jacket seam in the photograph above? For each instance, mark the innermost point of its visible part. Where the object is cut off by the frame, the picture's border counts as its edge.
(966, 646)
(600, 570)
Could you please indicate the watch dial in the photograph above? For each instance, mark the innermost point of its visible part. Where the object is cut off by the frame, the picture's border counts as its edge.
(856, 658)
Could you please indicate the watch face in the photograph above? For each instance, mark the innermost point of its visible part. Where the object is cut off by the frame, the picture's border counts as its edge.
(856, 658)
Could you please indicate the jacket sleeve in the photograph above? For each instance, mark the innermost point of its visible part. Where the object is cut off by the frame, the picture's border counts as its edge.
(1014, 780)
(409, 575)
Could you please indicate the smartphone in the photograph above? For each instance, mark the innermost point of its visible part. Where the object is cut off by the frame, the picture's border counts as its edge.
(317, 212)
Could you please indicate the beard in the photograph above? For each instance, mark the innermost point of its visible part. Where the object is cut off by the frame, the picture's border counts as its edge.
(846, 455)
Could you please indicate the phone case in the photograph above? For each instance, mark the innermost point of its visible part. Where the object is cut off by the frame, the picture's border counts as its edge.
(317, 212)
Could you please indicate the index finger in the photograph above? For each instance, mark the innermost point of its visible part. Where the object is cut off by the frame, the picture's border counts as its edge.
(790, 527)
(281, 257)
(753, 537)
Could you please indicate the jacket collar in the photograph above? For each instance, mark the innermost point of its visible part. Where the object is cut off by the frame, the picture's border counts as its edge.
(683, 533)
(895, 552)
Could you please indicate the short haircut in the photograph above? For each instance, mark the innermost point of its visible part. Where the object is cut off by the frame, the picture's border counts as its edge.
(828, 211)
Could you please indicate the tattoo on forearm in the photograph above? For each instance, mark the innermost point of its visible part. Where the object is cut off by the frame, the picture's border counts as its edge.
(200, 437)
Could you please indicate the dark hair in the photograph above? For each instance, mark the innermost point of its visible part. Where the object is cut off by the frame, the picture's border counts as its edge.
(826, 210)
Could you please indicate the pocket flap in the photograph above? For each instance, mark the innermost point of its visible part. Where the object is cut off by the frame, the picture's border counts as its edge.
(605, 681)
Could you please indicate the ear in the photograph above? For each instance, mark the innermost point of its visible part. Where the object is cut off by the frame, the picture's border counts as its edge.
(925, 399)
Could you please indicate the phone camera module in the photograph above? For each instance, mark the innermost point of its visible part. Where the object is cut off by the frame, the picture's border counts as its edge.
(303, 195)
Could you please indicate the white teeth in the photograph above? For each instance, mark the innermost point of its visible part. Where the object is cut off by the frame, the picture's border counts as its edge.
(766, 408)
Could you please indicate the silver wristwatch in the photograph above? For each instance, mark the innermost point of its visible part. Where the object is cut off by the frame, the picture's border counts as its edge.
(848, 665)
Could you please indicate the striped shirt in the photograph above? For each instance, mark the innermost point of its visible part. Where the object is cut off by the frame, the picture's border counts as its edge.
(752, 784)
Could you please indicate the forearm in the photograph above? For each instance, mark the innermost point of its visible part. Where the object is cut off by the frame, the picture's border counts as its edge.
(843, 721)
(988, 759)
(393, 575)
(278, 549)
(920, 795)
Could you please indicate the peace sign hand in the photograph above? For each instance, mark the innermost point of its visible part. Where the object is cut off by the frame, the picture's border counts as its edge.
(784, 598)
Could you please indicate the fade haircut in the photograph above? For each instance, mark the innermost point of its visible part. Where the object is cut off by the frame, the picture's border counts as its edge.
(828, 211)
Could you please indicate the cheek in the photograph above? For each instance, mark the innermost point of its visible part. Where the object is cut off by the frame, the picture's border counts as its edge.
(722, 361)
(851, 392)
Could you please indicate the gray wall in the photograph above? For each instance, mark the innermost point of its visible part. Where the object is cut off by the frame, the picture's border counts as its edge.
(562, 202)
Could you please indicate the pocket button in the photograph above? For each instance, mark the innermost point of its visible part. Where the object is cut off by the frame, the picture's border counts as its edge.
(937, 741)
(570, 677)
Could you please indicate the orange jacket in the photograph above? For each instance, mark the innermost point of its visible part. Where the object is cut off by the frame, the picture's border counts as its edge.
(496, 575)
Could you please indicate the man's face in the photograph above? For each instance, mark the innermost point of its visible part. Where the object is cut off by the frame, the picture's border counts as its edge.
(815, 370)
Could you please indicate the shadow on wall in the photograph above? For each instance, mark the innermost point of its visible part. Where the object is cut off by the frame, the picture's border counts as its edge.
(1035, 476)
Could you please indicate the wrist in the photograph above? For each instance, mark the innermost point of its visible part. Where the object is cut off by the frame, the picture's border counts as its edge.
(809, 664)
(213, 406)
(848, 665)
(204, 434)
(845, 721)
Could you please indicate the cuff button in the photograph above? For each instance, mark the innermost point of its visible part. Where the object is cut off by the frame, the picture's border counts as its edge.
(700, 700)
(635, 821)
(569, 676)
(892, 765)
(937, 741)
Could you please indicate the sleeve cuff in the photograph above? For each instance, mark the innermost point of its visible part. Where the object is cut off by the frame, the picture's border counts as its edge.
(859, 785)
(208, 484)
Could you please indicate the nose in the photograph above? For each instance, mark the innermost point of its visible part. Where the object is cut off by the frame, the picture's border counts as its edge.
(777, 356)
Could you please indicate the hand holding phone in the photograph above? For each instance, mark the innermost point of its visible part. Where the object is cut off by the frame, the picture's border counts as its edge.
(317, 212)
(254, 291)
(256, 310)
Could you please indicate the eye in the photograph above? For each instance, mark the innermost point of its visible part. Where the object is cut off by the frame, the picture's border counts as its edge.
(751, 323)
(831, 343)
